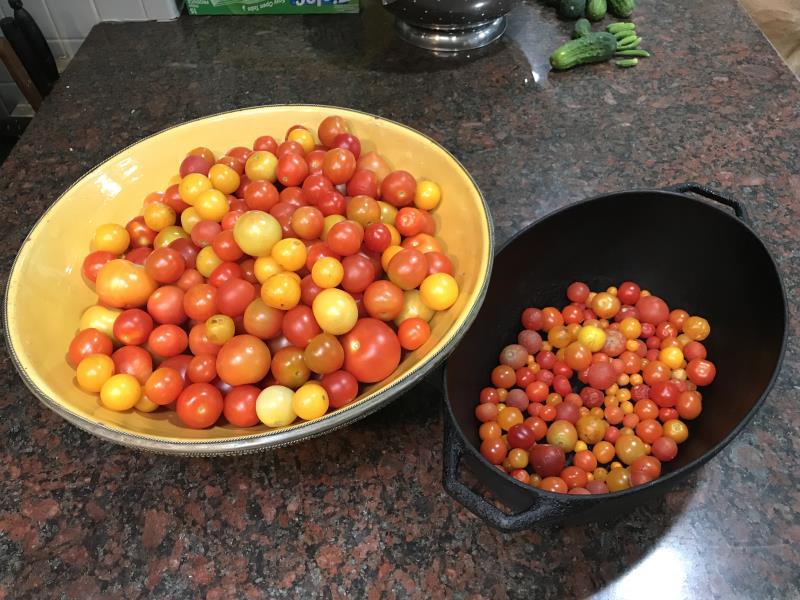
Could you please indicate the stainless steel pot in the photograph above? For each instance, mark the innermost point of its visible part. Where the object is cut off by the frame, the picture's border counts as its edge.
(450, 25)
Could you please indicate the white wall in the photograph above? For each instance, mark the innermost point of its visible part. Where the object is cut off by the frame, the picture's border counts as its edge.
(66, 23)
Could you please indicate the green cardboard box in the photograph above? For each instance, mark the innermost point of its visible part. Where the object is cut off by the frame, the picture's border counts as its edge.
(271, 7)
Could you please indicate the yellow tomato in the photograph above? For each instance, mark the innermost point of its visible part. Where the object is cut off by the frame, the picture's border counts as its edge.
(414, 307)
(388, 213)
(329, 222)
(100, 318)
(192, 186)
(189, 218)
(696, 328)
(261, 164)
(111, 238)
(630, 327)
(327, 272)
(396, 239)
(592, 337)
(123, 284)
(439, 291)
(335, 311)
(428, 195)
(219, 329)
(265, 267)
(303, 137)
(310, 401)
(168, 235)
(120, 392)
(281, 291)
(212, 205)
(672, 357)
(207, 261)
(388, 255)
(274, 406)
(290, 253)
(158, 215)
(145, 405)
(93, 371)
(223, 178)
(676, 430)
(605, 305)
(256, 232)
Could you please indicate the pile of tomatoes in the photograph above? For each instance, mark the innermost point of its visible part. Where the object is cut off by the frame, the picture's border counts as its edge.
(594, 397)
(264, 285)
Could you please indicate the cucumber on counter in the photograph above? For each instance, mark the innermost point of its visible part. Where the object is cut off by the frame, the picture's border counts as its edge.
(622, 9)
(596, 10)
(582, 28)
(590, 48)
(571, 9)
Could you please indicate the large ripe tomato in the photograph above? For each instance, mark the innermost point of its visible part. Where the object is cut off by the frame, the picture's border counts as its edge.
(135, 361)
(372, 350)
(133, 326)
(199, 405)
(240, 406)
(242, 360)
(122, 284)
(90, 341)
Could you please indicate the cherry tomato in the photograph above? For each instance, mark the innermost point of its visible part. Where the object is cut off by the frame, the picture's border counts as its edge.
(292, 169)
(199, 406)
(383, 300)
(310, 401)
(200, 302)
(652, 309)
(665, 449)
(696, 328)
(342, 388)
(372, 161)
(345, 238)
(329, 128)
(364, 182)
(242, 360)
(289, 367)
(122, 284)
(120, 392)
(163, 386)
(165, 305)
(701, 371)
(266, 142)
(339, 165)
(168, 340)
(335, 311)
(372, 350)
(239, 406)
(398, 188)
(644, 470)
(578, 292)
(413, 333)
(95, 261)
(111, 238)
(299, 326)
(93, 370)
(324, 354)
(92, 341)
(408, 268)
(358, 273)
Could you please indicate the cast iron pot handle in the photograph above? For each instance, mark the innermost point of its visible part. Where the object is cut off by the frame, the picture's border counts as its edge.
(701, 190)
(453, 451)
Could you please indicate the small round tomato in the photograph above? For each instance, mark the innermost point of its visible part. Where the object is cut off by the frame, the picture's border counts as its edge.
(399, 188)
(652, 309)
(358, 273)
(262, 320)
(120, 392)
(123, 284)
(292, 169)
(281, 291)
(324, 354)
(266, 142)
(200, 302)
(339, 165)
(93, 371)
(345, 238)
(408, 268)
(168, 340)
(372, 350)
(697, 328)
(329, 128)
(95, 261)
(310, 401)
(112, 238)
(438, 263)
(92, 341)
(342, 388)
(165, 265)
(413, 333)
(244, 359)
(299, 326)
(438, 291)
(372, 161)
(428, 195)
(700, 371)
(383, 300)
(135, 361)
(239, 406)
(289, 368)
(199, 406)
(164, 385)
(274, 406)
(165, 305)
(335, 311)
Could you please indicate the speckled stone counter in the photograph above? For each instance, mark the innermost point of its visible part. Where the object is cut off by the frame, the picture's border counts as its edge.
(361, 512)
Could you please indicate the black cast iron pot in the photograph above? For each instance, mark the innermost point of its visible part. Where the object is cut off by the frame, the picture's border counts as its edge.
(688, 251)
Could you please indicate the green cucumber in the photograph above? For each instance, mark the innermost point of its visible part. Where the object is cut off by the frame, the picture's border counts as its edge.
(617, 27)
(633, 52)
(593, 47)
(596, 10)
(627, 62)
(582, 28)
(622, 8)
(571, 9)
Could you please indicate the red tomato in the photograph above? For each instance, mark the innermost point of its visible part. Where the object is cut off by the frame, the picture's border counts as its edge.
(199, 405)
(363, 183)
(141, 234)
(165, 265)
(409, 221)
(200, 302)
(398, 188)
(180, 364)
(189, 279)
(438, 263)
(665, 393)
(372, 350)
(359, 272)
(260, 195)
(172, 198)
(332, 203)
(242, 360)
(315, 159)
(652, 309)
(299, 326)
(165, 305)
(383, 300)
(234, 163)
(349, 142)
(342, 388)
(226, 247)
(90, 341)
(292, 169)
(315, 187)
(187, 250)
(628, 292)
(168, 340)
(94, 261)
(319, 250)
(266, 142)
(408, 268)
(234, 296)
(694, 350)
(132, 327)
(164, 385)
(240, 152)
(345, 238)
(194, 164)
(413, 332)
(204, 231)
(202, 368)
(700, 371)
(240, 406)
(139, 255)
(339, 165)
(135, 361)
(330, 127)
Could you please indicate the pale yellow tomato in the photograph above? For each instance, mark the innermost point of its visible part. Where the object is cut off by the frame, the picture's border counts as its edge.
(335, 311)
(111, 238)
(100, 318)
(256, 232)
(261, 164)
(212, 205)
(120, 392)
(327, 272)
(290, 253)
(274, 406)
(592, 337)
(310, 401)
(93, 371)
(281, 291)
(168, 235)
(439, 291)
(329, 222)
(388, 213)
(414, 307)
(189, 218)
(192, 186)
(428, 195)
(223, 178)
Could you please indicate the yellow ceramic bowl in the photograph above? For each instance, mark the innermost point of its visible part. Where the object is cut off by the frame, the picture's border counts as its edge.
(47, 294)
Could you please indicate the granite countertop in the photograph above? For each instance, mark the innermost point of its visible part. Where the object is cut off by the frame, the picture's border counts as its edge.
(361, 512)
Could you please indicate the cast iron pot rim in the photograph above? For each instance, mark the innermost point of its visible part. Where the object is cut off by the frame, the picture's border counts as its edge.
(250, 444)
(674, 476)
